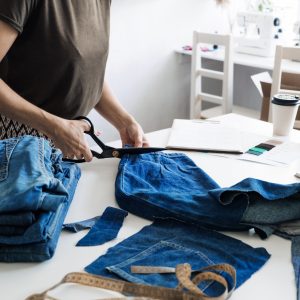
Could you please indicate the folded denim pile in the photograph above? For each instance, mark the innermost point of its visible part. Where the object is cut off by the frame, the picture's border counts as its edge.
(36, 189)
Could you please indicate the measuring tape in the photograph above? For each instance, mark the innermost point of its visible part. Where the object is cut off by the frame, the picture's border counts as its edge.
(187, 288)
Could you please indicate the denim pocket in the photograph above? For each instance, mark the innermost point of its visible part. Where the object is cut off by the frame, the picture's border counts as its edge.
(6, 149)
(162, 254)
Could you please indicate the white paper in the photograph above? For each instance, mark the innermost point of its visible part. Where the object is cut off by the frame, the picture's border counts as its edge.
(281, 155)
(204, 136)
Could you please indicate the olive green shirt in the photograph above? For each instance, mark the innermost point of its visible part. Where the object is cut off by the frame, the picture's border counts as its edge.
(58, 60)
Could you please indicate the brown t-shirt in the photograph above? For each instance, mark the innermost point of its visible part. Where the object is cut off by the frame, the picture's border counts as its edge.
(58, 60)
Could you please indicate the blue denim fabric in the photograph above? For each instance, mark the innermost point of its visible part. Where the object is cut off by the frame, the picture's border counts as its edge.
(28, 160)
(106, 228)
(28, 168)
(31, 182)
(45, 249)
(170, 242)
(17, 219)
(268, 216)
(171, 185)
(296, 262)
(80, 225)
(11, 230)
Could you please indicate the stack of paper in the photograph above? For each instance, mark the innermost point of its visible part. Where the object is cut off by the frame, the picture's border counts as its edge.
(205, 136)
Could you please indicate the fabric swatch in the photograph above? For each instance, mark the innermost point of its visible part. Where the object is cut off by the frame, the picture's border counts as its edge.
(80, 225)
(106, 228)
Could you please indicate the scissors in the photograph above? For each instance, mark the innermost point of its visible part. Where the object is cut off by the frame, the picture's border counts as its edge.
(107, 151)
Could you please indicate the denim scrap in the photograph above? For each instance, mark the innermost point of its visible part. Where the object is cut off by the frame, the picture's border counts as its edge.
(80, 225)
(106, 228)
(169, 242)
(45, 204)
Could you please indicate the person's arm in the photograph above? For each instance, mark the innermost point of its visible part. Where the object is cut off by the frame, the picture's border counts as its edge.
(110, 108)
(66, 134)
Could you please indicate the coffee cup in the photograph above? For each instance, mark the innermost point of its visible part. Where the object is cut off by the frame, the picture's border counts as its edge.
(284, 111)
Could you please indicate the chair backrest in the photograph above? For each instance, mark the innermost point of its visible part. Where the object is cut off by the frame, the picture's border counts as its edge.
(197, 72)
(290, 53)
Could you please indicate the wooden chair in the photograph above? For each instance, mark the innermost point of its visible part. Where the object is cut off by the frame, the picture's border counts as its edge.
(197, 72)
(282, 53)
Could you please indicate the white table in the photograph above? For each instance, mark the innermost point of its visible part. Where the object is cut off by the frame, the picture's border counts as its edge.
(96, 191)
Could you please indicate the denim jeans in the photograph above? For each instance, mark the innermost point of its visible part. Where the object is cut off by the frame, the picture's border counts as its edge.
(37, 188)
(169, 242)
(171, 185)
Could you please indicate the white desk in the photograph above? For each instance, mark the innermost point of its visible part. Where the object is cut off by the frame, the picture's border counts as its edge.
(248, 60)
(96, 191)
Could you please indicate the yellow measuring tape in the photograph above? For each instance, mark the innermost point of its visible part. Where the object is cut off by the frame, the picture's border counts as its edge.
(187, 288)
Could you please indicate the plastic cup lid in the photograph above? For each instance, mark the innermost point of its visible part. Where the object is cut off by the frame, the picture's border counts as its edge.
(286, 99)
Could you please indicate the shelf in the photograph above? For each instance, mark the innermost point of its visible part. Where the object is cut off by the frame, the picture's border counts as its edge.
(247, 60)
(217, 111)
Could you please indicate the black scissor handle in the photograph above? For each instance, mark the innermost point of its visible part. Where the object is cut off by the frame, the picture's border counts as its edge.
(91, 131)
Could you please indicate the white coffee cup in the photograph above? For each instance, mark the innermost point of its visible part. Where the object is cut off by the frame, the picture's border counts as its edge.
(284, 111)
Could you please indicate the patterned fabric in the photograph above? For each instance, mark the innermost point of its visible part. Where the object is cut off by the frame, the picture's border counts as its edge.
(10, 128)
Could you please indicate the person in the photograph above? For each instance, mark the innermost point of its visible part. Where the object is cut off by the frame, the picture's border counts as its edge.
(53, 56)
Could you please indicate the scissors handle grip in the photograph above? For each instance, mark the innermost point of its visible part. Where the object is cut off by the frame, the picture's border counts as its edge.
(82, 160)
(91, 131)
(92, 134)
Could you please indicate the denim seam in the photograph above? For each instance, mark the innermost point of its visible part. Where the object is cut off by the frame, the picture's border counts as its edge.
(161, 244)
(144, 200)
(201, 254)
(41, 160)
(9, 148)
(53, 221)
(157, 246)
(42, 155)
(126, 275)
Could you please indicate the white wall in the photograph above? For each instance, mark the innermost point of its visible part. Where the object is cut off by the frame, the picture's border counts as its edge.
(143, 69)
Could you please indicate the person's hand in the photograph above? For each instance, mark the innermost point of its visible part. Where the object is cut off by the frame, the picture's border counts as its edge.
(133, 135)
(68, 136)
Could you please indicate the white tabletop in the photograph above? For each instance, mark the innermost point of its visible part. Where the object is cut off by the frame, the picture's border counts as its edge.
(95, 192)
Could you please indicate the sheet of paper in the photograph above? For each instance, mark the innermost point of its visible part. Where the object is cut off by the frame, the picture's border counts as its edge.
(281, 155)
(204, 135)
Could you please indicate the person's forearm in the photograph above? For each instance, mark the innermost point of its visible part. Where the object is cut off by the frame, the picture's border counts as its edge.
(17, 108)
(112, 110)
